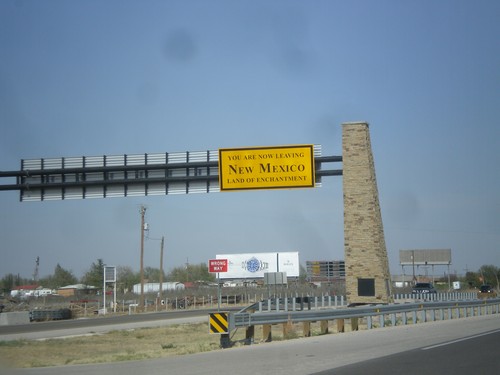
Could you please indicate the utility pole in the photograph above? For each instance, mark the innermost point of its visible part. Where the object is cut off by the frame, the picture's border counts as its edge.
(141, 300)
(161, 268)
(35, 273)
(413, 264)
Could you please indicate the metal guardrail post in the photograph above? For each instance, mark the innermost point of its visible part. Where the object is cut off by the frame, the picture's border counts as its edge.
(369, 324)
(393, 320)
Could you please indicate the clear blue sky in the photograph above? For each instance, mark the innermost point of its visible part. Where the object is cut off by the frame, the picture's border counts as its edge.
(86, 78)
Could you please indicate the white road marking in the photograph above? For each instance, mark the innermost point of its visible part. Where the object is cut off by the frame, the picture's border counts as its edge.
(459, 340)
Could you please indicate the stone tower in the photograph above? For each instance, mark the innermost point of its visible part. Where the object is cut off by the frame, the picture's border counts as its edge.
(366, 262)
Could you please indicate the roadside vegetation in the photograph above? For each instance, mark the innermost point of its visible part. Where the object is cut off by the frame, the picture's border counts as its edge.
(126, 277)
(123, 345)
(127, 345)
(197, 273)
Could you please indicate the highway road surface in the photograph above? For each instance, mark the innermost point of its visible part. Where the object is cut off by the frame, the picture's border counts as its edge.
(445, 347)
(476, 354)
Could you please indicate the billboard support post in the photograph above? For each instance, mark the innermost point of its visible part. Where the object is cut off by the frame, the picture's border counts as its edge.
(217, 266)
(219, 296)
(109, 276)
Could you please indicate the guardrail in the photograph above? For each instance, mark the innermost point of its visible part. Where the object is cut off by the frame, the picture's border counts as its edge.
(296, 303)
(451, 296)
(300, 303)
(393, 314)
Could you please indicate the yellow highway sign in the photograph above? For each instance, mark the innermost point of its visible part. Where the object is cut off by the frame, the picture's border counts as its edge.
(272, 167)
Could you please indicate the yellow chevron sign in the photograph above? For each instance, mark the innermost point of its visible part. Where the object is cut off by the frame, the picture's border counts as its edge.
(219, 322)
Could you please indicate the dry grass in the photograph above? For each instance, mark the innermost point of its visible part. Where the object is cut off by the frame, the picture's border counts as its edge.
(144, 343)
(126, 345)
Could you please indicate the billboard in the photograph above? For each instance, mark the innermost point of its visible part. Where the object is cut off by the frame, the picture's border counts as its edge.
(109, 274)
(266, 167)
(420, 257)
(255, 265)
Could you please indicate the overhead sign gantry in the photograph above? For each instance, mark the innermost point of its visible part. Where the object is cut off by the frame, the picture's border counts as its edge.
(166, 173)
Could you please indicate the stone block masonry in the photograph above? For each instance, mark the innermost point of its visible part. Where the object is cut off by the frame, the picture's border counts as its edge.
(366, 262)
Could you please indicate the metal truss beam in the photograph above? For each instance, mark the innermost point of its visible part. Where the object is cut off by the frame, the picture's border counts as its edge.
(135, 175)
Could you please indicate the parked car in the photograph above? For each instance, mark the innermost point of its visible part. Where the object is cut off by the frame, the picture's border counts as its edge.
(486, 291)
(421, 288)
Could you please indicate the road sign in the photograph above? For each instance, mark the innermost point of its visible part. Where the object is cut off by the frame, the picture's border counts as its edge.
(219, 322)
(266, 167)
(109, 274)
(217, 265)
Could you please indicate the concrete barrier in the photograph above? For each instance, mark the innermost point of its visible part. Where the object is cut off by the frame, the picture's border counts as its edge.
(13, 318)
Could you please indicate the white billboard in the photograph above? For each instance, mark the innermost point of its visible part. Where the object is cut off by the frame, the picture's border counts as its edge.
(254, 265)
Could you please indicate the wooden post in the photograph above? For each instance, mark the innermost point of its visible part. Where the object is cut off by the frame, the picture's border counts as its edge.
(340, 325)
(225, 341)
(141, 272)
(287, 329)
(266, 333)
(354, 324)
(249, 335)
(324, 326)
(306, 329)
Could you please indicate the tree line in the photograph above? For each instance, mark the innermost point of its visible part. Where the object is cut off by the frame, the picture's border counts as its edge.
(94, 276)
(127, 278)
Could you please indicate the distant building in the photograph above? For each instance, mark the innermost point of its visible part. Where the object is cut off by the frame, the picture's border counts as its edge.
(155, 287)
(43, 292)
(24, 290)
(401, 281)
(73, 290)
